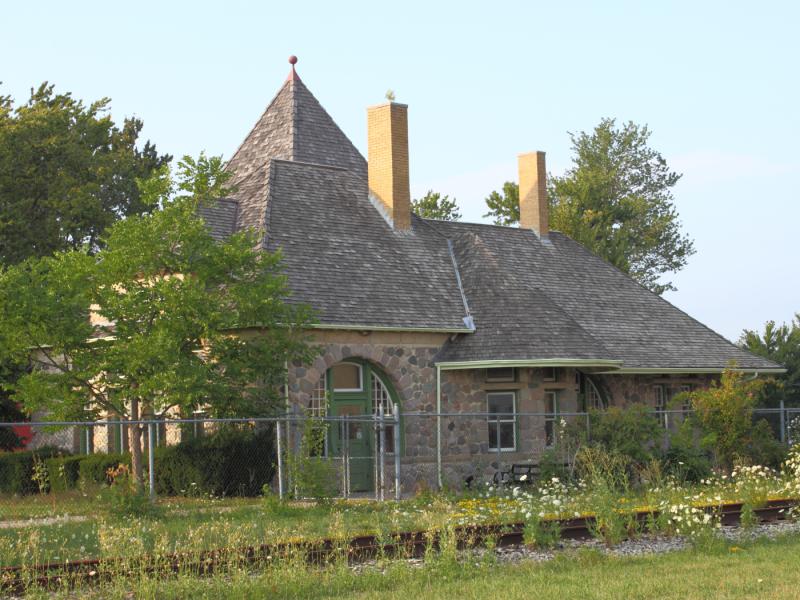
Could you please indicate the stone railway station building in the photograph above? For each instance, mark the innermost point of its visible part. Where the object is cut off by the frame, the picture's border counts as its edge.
(448, 317)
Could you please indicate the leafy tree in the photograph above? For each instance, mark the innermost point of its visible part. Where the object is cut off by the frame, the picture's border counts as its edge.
(781, 344)
(150, 322)
(724, 413)
(9, 413)
(504, 207)
(616, 200)
(67, 172)
(435, 206)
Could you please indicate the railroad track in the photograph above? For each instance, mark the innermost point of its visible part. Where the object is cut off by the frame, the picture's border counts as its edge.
(16, 580)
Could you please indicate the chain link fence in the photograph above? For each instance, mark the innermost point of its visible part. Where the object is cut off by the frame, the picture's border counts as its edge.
(380, 456)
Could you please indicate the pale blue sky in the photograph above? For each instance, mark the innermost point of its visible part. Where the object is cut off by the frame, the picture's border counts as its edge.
(717, 82)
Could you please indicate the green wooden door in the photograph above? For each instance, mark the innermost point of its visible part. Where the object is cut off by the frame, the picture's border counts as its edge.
(360, 442)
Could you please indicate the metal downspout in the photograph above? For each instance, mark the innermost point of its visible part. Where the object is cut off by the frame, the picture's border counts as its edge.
(439, 426)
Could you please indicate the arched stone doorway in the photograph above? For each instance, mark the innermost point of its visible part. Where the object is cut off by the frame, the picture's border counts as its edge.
(356, 388)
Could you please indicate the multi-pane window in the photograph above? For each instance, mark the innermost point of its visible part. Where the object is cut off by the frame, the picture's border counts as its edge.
(551, 417)
(347, 377)
(502, 420)
(660, 392)
(663, 395)
(685, 389)
(382, 399)
(317, 405)
(593, 398)
(500, 375)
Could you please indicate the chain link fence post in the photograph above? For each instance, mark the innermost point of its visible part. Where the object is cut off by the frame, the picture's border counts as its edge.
(346, 454)
(382, 450)
(783, 422)
(279, 451)
(396, 414)
(151, 458)
(499, 452)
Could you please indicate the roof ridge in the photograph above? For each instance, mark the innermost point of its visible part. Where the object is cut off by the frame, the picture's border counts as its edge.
(293, 121)
(253, 128)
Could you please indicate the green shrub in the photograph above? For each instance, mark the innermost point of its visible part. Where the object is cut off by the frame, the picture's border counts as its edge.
(124, 499)
(94, 467)
(17, 470)
(230, 462)
(64, 472)
(686, 462)
(551, 464)
(312, 476)
(762, 448)
(631, 432)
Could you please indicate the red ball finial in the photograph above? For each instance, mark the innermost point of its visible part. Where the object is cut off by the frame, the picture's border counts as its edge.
(292, 60)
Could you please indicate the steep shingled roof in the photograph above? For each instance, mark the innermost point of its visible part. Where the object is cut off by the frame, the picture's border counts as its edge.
(304, 184)
(590, 308)
(344, 259)
(295, 127)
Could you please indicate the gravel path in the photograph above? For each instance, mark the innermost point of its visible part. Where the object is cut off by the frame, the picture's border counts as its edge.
(641, 546)
(646, 544)
(39, 521)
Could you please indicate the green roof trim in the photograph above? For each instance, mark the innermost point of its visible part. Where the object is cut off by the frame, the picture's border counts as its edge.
(537, 362)
(689, 370)
(390, 328)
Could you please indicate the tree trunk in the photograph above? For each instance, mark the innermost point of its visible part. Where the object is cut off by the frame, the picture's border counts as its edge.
(135, 442)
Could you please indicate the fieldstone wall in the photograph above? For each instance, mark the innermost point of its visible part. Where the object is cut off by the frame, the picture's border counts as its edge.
(408, 361)
(631, 389)
(465, 440)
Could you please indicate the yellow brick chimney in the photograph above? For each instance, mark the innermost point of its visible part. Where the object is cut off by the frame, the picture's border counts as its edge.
(387, 156)
(533, 205)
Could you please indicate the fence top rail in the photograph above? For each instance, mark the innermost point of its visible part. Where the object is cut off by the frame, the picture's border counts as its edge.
(366, 418)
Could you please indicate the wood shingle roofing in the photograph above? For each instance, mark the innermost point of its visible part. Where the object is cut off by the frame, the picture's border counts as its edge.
(304, 185)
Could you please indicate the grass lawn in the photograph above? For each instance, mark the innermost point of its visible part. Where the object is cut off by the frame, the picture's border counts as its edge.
(195, 525)
(763, 569)
(77, 502)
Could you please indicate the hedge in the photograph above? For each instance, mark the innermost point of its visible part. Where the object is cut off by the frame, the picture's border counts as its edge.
(63, 472)
(16, 470)
(230, 462)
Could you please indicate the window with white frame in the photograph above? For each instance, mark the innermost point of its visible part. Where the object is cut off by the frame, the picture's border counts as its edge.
(198, 425)
(551, 417)
(550, 374)
(660, 392)
(502, 420)
(500, 375)
(382, 399)
(685, 389)
(664, 395)
(317, 404)
(347, 377)
(594, 400)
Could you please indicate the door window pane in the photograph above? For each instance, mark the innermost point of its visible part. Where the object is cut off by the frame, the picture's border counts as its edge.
(346, 377)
